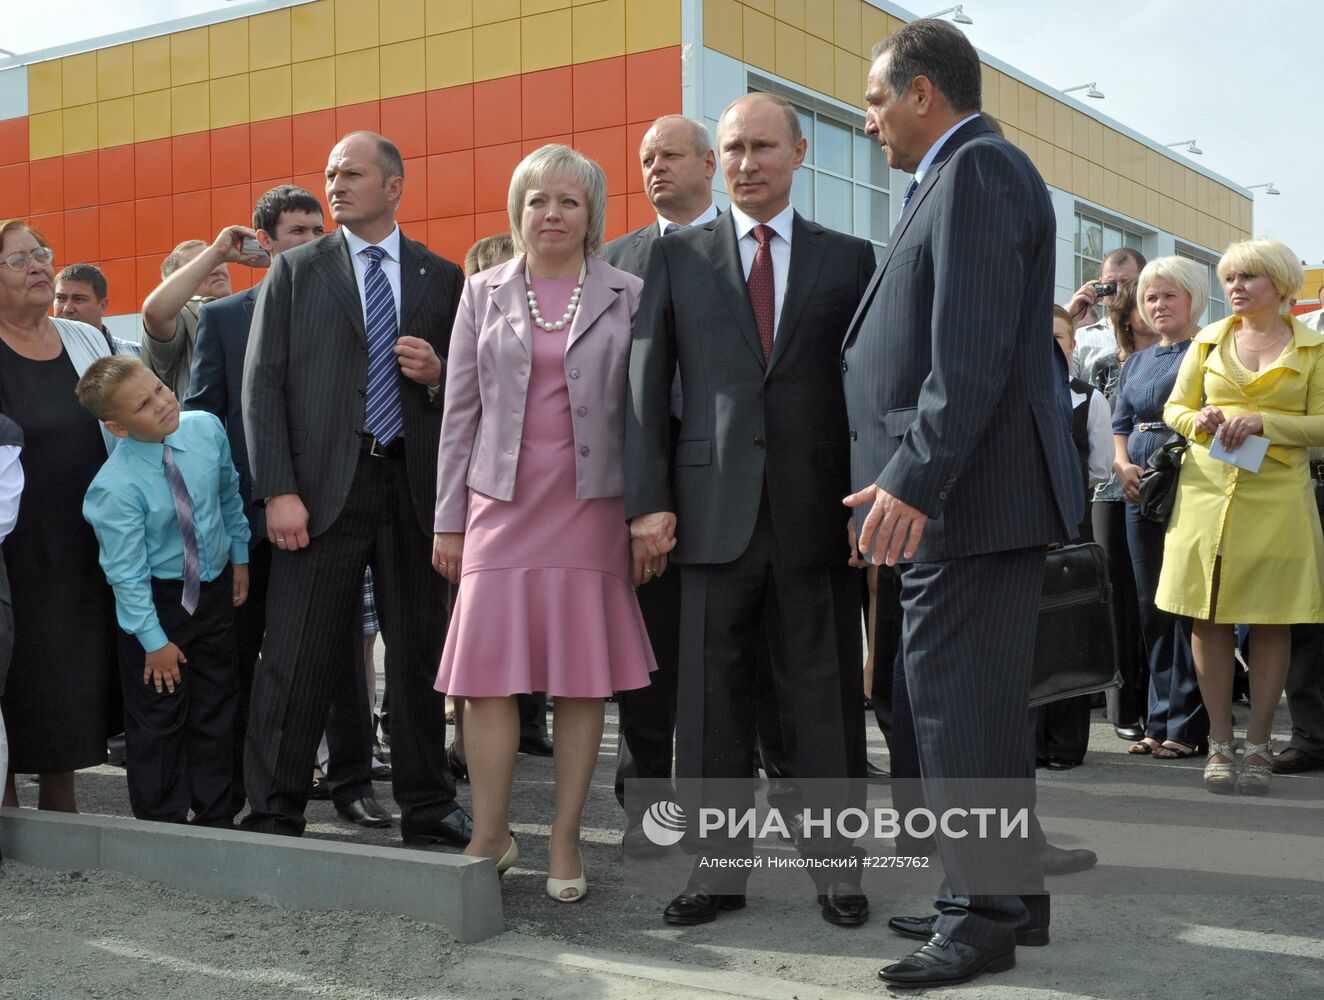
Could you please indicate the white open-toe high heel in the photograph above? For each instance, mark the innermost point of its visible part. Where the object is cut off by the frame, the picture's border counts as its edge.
(556, 886)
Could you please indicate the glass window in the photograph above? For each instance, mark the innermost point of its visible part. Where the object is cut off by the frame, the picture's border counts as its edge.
(833, 203)
(802, 192)
(1095, 239)
(1217, 308)
(870, 212)
(834, 147)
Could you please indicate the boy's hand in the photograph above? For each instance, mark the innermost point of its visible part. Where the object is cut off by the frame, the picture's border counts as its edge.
(163, 667)
(240, 583)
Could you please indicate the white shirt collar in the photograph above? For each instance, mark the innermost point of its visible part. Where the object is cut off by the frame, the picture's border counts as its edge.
(936, 148)
(779, 223)
(707, 215)
(391, 244)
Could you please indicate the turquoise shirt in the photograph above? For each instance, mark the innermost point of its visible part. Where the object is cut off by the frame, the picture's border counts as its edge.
(133, 514)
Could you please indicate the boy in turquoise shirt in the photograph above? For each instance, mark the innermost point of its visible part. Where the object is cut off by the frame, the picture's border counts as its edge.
(174, 546)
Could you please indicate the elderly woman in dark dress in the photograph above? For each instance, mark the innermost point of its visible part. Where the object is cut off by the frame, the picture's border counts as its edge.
(55, 697)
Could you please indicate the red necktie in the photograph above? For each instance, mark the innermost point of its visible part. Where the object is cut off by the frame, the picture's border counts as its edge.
(760, 288)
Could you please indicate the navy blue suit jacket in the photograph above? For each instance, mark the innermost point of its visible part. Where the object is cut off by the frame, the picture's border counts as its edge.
(216, 380)
(955, 389)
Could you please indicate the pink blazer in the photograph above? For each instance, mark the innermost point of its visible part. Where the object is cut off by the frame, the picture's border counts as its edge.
(487, 383)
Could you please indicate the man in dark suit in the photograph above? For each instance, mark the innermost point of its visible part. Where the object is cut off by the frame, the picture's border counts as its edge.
(283, 218)
(342, 408)
(752, 307)
(962, 458)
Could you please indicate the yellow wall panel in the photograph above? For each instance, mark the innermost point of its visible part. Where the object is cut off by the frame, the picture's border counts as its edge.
(723, 27)
(762, 6)
(651, 25)
(820, 64)
(759, 44)
(151, 66)
(1062, 168)
(450, 59)
(312, 32)
(189, 57)
(598, 31)
(791, 12)
(1153, 169)
(115, 122)
(45, 134)
(790, 43)
(441, 16)
(400, 20)
(115, 72)
(269, 40)
(1110, 145)
(528, 7)
(1167, 178)
(1043, 128)
(151, 115)
(228, 43)
(1095, 133)
(356, 25)
(80, 126)
(358, 77)
(313, 84)
(1095, 190)
(79, 74)
(846, 25)
(1080, 176)
(1080, 134)
(1062, 125)
(1027, 109)
(545, 40)
(403, 68)
(873, 29)
(496, 50)
(490, 11)
(189, 108)
(45, 87)
(1167, 215)
(269, 94)
(229, 101)
(990, 90)
(850, 78)
(1110, 188)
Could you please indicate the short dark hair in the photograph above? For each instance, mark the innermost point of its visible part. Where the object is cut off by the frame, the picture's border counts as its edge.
(88, 274)
(936, 50)
(96, 389)
(1122, 254)
(388, 156)
(488, 252)
(279, 200)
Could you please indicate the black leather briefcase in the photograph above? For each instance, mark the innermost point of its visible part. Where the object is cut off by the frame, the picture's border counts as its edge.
(1075, 651)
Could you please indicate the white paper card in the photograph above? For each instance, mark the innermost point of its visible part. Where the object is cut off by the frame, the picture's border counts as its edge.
(1248, 456)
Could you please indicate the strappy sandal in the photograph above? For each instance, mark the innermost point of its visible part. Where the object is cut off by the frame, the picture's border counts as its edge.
(1174, 750)
(1144, 747)
(1221, 778)
(1253, 779)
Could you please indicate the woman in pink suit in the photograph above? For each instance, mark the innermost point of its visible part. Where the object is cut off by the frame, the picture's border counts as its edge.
(530, 519)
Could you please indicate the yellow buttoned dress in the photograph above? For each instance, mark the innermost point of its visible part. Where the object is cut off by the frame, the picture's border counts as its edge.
(1264, 525)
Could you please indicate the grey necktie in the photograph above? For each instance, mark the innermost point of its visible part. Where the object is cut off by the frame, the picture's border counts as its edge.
(184, 514)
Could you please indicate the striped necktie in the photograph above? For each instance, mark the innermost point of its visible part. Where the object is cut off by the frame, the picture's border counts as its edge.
(184, 514)
(382, 418)
(671, 227)
(910, 190)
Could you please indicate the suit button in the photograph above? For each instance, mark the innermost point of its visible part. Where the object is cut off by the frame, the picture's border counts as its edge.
(574, 373)
(759, 443)
(582, 411)
(854, 434)
(361, 392)
(942, 495)
(843, 367)
(584, 451)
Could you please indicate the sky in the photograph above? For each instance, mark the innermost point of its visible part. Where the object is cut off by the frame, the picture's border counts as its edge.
(1245, 80)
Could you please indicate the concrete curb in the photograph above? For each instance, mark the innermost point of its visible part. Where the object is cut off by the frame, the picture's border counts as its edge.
(461, 894)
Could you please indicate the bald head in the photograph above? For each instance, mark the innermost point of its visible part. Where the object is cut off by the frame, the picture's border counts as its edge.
(676, 158)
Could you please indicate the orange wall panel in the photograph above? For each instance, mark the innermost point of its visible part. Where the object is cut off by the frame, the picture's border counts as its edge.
(117, 237)
(547, 103)
(152, 168)
(493, 166)
(230, 156)
(450, 117)
(82, 235)
(81, 189)
(190, 159)
(353, 117)
(51, 226)
(15, 190)
(450, 179)
(14, 141)
(599, 94)
(191, 212)
(153, 223)
(271, 148)
(652, 84)
(404, 119)
(497, 111)
(115, 174)
(46, 186)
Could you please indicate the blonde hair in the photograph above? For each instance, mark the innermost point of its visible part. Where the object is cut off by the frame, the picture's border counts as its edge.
(1186, 274)
(556, 160)
(96, 388)
(1267, 256)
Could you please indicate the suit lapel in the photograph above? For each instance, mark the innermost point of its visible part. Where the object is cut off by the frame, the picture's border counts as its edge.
(729, 274)
(596, 298)
(333, 263)
(413, 281)
(250, 299)
(806, 262)
(510, 296)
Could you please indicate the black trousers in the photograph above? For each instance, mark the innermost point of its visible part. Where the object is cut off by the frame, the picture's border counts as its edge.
(725, 610)
(313, 607)
(180, 745)
(1126, 704)
(886, 644)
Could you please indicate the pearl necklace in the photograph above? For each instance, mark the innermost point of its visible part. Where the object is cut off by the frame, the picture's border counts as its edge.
(570, 310)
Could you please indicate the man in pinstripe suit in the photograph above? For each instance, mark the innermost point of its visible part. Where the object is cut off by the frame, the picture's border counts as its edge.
(962, 458)
(342, 409)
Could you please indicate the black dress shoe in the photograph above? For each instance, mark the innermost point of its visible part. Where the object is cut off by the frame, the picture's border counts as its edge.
(699, 905)
(1060, 763)
(1056, 861)
(365, 812)
(459, 768)
(635, 843)
(1294, 761)
(944, 962)
(321, 791)
(455, 828)
(535, 746)
(382, 772)
(844, 904)
(921, 928)
(876, 774)
(1130, 733)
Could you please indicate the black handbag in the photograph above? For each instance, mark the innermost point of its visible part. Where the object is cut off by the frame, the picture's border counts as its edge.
(1075, 649)
(1158, 483)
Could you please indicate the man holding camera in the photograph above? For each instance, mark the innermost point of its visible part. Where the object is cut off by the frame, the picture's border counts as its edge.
(1094, 334)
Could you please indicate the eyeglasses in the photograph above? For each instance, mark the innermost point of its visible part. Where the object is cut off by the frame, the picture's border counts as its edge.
(19, 261)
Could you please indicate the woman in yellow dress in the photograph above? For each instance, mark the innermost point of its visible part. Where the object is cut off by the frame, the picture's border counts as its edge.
(1246, 547)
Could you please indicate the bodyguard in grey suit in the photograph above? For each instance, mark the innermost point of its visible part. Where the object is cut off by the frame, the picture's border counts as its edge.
(752, 306)
(342, 434)
(962, 458)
